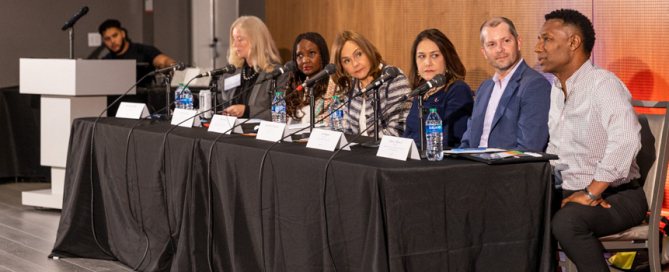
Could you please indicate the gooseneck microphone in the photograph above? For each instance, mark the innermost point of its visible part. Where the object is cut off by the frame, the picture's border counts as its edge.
(389, 73)
(288, 67)
(76, 17)
(225, 70)
(179, 66)
(327, 71)
(436, 81)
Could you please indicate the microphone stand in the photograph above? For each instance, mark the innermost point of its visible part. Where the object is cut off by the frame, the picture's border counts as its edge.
(421, 120)
(375, 105)
(168, 79)
(213, 88)
(72, 42)
(312, 110)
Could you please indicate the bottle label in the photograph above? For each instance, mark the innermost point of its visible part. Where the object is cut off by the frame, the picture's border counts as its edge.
(433, 128)
(277, 108)
(338, 114)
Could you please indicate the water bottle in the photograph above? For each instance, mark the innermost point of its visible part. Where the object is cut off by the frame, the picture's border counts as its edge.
(434, 135)
(336, 121)
(186, 99)
(177, 96)
(279, 109)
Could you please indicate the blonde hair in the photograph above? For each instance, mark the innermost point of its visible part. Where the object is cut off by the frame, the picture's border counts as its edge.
(340, 77)
(262, 49)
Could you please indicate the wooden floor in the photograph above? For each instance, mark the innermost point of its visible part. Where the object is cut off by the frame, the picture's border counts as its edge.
(27, 236)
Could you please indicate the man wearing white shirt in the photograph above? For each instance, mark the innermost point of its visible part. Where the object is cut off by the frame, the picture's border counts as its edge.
(511, 108)
(594, 130)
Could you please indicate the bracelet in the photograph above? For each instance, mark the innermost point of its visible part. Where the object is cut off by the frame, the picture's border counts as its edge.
(590, 195)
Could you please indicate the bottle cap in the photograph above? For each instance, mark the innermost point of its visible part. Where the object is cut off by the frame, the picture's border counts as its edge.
(335, 97)
(278, 93)
(181, 84)
(433, 110)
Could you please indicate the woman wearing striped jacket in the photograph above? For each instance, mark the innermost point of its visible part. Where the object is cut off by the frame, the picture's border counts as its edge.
(358, 64)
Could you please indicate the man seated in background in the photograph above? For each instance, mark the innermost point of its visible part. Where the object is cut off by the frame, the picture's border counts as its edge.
(148, 58)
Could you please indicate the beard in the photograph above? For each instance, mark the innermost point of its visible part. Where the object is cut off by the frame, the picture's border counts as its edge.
(120, 48)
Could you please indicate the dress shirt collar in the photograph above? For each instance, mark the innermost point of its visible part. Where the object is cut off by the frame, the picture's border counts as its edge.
(573, 79)
(508, 76)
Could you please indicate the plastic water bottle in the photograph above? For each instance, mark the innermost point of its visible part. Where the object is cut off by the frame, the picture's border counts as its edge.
(186, 99)
(279, 109)
(336, 121)
(434, 135)
(177, 96)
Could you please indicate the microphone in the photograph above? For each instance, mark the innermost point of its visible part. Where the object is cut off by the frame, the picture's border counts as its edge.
(225, 70)
(436, 81)
(76, 17)
(389, 73)
(179, 66)
(288, 67)
(327, 71)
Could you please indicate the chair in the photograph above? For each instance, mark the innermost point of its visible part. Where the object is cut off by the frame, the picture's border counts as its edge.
(652, 160)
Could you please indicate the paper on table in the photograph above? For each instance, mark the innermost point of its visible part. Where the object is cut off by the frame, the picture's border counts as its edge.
(472, 150)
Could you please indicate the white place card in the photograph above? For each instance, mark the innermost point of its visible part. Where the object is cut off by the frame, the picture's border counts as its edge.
(270, 131)
(233, 82)
(132, 110)
(327, 140)
(398, 148)
(182, 117)
(221, 124)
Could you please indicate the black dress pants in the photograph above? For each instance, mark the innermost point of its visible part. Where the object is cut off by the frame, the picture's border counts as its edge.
(577, 227)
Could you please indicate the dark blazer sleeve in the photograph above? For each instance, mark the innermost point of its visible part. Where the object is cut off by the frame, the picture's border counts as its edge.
(533, 119)
(465, 142)
(457, 111)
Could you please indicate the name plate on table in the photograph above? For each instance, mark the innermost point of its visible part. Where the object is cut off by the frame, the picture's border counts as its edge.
(398, 148)
(221, 124)
(270, 131)
(132, 110)
(327, 140)
(184, 118)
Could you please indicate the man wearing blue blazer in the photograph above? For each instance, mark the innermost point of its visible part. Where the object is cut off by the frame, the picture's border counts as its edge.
(511, 108)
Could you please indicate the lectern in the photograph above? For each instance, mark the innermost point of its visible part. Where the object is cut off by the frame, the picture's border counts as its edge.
(68, 89)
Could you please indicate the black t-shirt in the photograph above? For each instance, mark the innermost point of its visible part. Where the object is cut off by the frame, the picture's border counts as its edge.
(144, 54)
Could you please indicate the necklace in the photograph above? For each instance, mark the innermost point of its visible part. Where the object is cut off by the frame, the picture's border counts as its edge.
(249, 77)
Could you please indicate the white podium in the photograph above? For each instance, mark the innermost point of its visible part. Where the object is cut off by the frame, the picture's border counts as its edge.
(69, 89)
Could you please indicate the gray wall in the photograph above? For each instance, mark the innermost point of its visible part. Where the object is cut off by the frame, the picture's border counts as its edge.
(31, 29)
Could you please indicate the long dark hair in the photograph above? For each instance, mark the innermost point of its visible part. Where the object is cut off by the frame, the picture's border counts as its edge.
(454, 68)
(295, 102)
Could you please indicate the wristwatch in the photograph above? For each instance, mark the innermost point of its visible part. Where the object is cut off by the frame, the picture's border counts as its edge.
(590, 195)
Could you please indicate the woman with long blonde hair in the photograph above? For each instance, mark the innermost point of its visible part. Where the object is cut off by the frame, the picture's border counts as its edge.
(254, 53)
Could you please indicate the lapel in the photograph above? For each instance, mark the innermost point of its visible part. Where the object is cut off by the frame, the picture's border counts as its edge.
(257, 88)
(509, 91)
(483, 94)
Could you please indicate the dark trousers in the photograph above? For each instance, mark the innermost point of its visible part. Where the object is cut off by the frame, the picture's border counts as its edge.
(577, 227)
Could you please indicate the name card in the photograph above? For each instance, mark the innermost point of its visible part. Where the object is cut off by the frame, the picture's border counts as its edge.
(327, 140)
(270, 131)
(233, 82)
(398, 148)
(184, 118)
(221, 124)
(132, 110)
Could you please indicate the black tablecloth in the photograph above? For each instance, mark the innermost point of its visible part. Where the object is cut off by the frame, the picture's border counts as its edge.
(20, 135)
(382, 214)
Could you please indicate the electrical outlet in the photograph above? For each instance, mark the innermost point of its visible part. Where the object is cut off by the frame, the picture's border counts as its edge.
(94, 39)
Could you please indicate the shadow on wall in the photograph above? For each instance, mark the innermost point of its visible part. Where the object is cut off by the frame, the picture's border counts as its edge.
(643, 83)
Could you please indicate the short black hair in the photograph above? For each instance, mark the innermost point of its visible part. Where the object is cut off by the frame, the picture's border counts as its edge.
(109, 23)
(578, 20)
